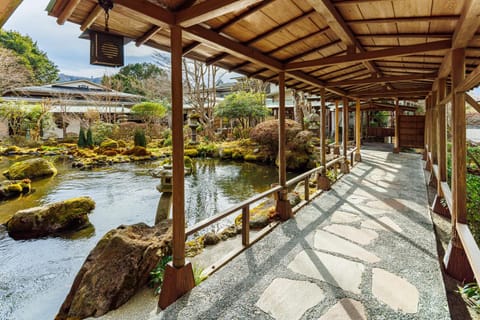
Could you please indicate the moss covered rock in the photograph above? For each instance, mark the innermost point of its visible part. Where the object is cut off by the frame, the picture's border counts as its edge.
(15, 188)
(52, 219)
(109, 144)
(30, 169)
(191, 152)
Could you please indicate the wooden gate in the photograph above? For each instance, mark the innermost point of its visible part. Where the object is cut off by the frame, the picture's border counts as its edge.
(411, 130)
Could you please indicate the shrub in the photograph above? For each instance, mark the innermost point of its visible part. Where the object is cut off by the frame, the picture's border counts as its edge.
(82, 140)
(139, 138)
(301, 141)
(266, 133)
(89, 137)
(102, 131)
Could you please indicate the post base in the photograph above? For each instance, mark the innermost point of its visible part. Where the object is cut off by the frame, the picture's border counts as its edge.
(396, 150)
(284, 209)
(176, 282)
(424, 156)
(457, 265)
(323, 183)
(438, 207)
(336, 149)
(358, 157)
(345, 168)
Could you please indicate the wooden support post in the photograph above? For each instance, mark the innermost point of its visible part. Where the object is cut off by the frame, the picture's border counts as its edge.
(396, 147)
(178, 278)
(456, 262)
(246, 225)
(336, 148)
(433, 146)
(358, 131)
(323, 183)
(428, 164)
(425, 150)
(345, 167)
(283, 206)
(438, 207)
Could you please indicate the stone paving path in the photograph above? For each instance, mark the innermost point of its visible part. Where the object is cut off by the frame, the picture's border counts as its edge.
(363, 250)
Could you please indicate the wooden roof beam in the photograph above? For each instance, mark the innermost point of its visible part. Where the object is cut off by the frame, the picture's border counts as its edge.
(188, 48)
(149, 11)
(336, 22)
(306, 53)
(67, 11)
(93, 15)
(372, 55)
(298, 40)
(465, 29)
(216, 59)
(256, 73)
(244, 14)
(471, 81)
(147, 36)
(380, 80)
(280, 27)
(208, 10)
(404, 35)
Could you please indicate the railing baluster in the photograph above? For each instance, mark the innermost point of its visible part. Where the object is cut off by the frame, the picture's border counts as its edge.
(307, 188)
(246, 225)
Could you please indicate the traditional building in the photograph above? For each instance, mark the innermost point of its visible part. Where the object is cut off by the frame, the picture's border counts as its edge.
(69, 101)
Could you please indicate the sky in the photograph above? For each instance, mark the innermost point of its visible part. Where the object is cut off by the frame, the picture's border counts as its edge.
(61, 43)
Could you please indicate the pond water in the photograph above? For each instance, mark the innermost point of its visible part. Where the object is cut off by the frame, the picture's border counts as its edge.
(35, 275)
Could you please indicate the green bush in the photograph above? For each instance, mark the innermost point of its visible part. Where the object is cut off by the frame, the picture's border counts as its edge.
(102, 131)
(266, 133)
(82, 140)
(139, 138)
(89, 137)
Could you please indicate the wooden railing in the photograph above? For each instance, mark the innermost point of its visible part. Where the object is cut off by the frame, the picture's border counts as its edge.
(244, 208)
(469, 244)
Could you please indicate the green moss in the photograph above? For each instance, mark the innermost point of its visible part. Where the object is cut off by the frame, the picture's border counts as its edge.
(109, 143)
(191, 152)
(226, 153)
(32, 168)
(253, 157)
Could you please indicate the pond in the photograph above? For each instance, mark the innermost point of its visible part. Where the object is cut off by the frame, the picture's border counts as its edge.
(36, 275)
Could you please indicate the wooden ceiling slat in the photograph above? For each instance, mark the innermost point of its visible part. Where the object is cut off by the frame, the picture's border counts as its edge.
(380, 80)
(372, 55)
(309, 52)
(403, 20)
(280, 27)
(209, 10)
(243, 15)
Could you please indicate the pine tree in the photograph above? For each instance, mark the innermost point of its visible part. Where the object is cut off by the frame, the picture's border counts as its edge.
(89, 137)
(82, 142)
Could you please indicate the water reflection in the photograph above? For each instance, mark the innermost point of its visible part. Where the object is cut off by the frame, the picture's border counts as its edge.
(35, 275)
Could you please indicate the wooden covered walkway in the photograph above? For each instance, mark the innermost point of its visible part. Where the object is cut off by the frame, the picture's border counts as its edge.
(363, 250)
(343, 50)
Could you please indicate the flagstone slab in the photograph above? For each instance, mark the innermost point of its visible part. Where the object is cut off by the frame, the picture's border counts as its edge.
(360, 236)
(328, 242)
(394, 291)
(334, 270)
(346, 309)
(344, 217)
(287, 299)
(383, 223)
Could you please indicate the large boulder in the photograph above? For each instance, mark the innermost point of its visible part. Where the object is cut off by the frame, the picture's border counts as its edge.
(30, 169)
(53, 219)
(13, 188)
(115, 269)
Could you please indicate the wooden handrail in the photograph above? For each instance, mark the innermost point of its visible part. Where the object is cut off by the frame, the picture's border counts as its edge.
(209, 221)
(471, 248)
(447, 194)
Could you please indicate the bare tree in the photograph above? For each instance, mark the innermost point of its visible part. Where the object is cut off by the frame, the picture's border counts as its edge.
(201, 90)
(12, 72)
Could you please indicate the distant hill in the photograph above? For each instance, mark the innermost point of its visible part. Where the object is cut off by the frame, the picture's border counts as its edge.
(65, 77)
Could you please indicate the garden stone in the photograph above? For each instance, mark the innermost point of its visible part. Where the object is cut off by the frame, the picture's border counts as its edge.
(52, 219)
(118, 266)
(30, 169)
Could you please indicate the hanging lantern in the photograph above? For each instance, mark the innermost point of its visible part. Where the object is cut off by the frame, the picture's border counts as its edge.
(106, 49)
